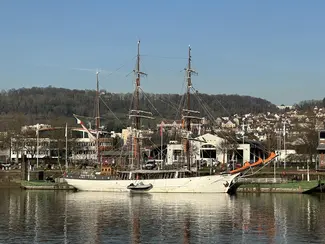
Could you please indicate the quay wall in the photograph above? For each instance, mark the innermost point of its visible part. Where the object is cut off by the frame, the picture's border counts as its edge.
(289, 175)
(10, 178)
(261, 189)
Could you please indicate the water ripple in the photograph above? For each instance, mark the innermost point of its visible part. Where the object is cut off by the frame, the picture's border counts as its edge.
(88, 217)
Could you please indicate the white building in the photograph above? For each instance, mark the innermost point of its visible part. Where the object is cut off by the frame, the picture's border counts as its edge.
(85, 147)
(283, 154)
(206, 147)
(35, 127)
(28, 147)
(281, 107)
(82, 145)
(125, 135)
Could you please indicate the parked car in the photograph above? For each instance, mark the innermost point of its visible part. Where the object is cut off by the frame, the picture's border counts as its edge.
(233, 165)
(150, 165)
(5, 166)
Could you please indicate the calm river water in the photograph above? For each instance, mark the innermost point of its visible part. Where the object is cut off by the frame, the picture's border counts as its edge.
(87, 217)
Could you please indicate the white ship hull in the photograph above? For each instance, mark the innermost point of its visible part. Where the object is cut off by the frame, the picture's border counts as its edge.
(202, 184)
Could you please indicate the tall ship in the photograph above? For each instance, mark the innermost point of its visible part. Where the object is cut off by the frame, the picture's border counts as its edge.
(184, 179)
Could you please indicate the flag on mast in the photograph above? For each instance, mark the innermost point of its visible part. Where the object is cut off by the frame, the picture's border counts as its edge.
(79, 122)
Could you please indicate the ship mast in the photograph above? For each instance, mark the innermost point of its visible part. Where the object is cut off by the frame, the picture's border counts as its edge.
(136, 113)
(188, 114)
(137, 107)
(97, 118)
(188, 120)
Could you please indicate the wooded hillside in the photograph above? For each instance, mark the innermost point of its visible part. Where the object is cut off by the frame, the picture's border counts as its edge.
(57, 105)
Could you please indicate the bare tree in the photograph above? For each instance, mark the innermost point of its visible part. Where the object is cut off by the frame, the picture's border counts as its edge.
(271, 143)
(11, 137)
(29, 139)
(57, 143)
(229, 145)
(308, 142)
(4, 140)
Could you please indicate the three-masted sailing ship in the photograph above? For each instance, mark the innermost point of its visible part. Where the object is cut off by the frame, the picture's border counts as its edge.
(179, 180)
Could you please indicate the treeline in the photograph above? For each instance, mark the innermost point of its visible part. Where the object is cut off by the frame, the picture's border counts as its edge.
(310, 104)
(44, 105)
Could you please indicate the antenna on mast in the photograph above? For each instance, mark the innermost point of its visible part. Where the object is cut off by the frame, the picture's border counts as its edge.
(97, 101)
(97, 117)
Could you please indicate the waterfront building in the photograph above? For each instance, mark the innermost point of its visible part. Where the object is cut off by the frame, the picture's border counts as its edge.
(212, 150)
(321, 150)
(80, 144)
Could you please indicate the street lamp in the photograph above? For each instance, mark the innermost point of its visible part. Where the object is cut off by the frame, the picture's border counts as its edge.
(37, 141)
(284, 144)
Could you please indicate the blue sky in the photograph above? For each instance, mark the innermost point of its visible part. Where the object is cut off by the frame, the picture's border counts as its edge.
(269, 49)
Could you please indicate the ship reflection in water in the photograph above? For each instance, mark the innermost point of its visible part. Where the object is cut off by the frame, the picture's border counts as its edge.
(89, 217)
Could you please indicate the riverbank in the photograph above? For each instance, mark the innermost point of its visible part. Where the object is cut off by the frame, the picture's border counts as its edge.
(12, 179)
